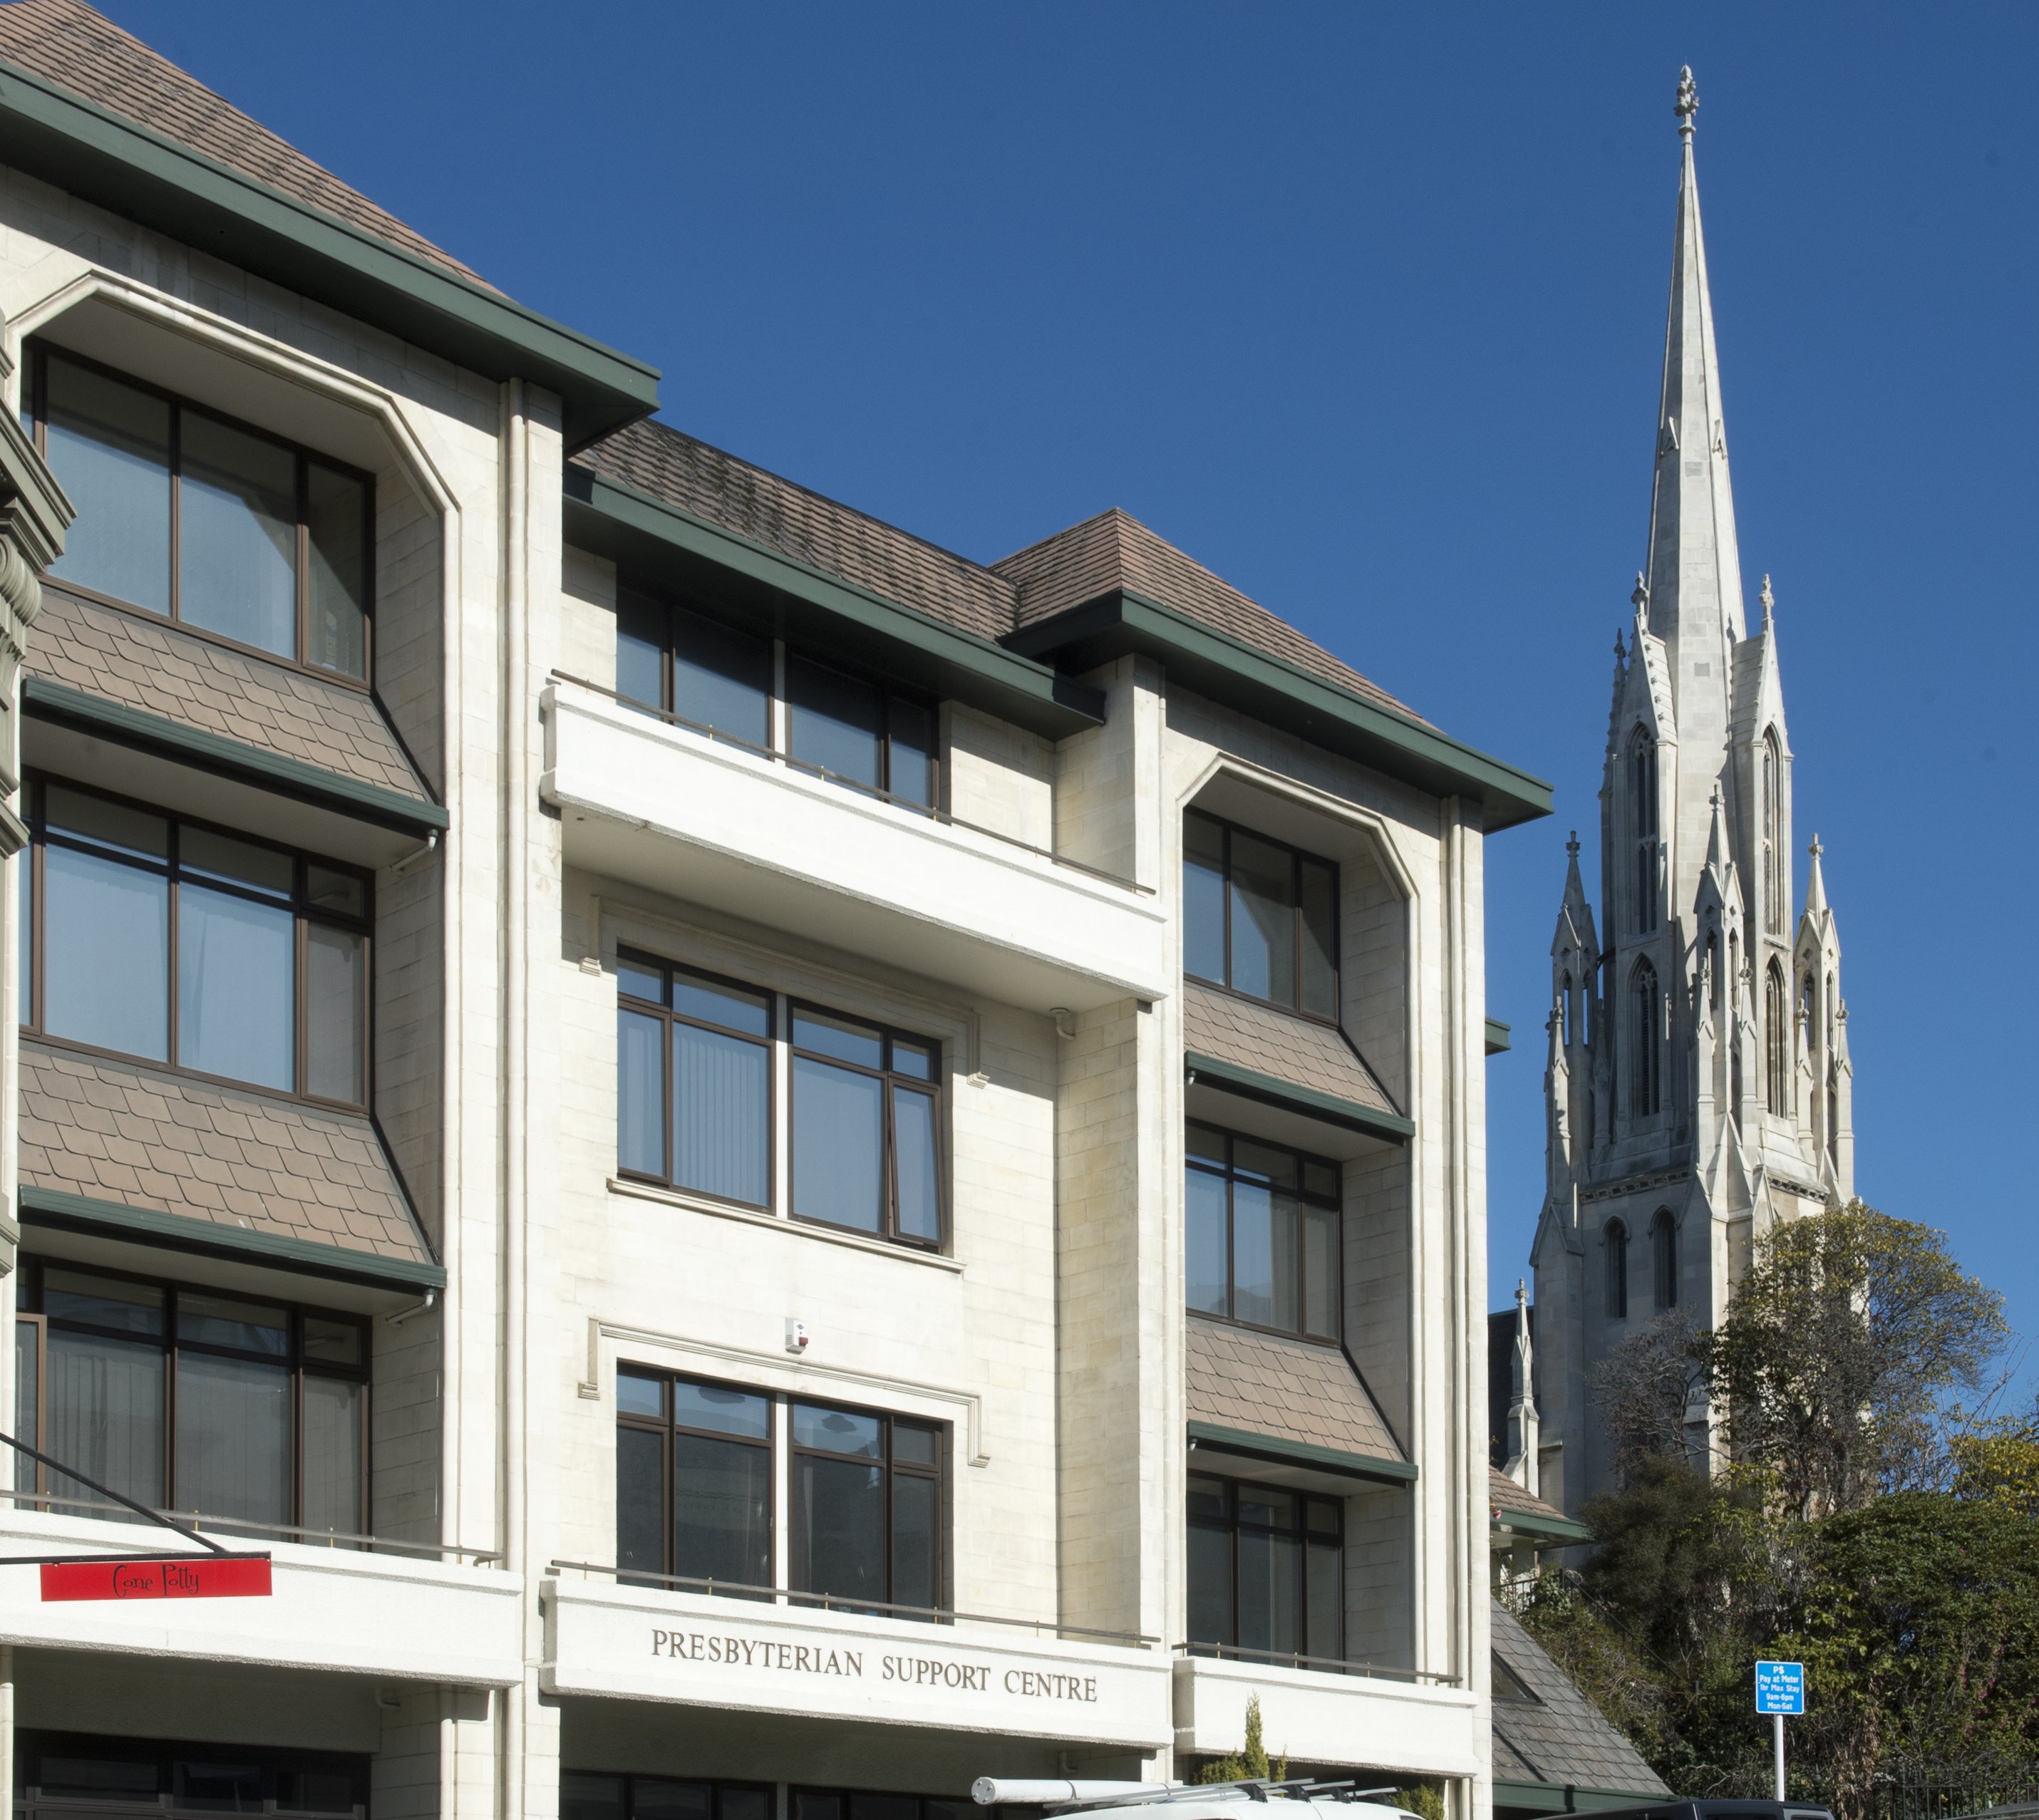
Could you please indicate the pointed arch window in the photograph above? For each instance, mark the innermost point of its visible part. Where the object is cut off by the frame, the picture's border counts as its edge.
(1644, 1065)
(1775, 886)
(1833, 1112)
(1617, 1271)
(1777, 1041)
(1664, 1259)
(1642, 812)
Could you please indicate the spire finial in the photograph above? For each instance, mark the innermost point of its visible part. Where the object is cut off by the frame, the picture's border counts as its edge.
(1688, 102)
(1521, 1292)
(1768, 599)
(1640, 599)
(1572, 845)
(1816, 849)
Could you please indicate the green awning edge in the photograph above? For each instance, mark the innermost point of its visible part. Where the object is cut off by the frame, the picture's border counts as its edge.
(49, 1207)
(1234, 673)
(1250, 1084)
(120, 165)
(1500, 1037)
(1552, 1529)
(83, 712)
(1276, 1450)
(643, 535)
(1571, 1798)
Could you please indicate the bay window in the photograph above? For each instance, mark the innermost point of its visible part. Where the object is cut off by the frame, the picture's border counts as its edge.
(216, 525)
(1260, 917)
(165, 939)
(1262, 1243)
(184, 1399)
(1266, 1569)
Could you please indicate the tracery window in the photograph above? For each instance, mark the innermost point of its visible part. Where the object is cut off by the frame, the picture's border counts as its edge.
(1775, 875)
(1617, 1270)
(1642, 798)
(1645, 1086)
(1664, 1259)
(1777, 1041)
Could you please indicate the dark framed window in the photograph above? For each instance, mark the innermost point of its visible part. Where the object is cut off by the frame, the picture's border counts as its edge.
(220, 526)
(867, 1496)
(850, 728)
(1645, 1064)
(1664, 1259)
(1259, 916)
(94, 1772)
(187, 1399)
(865, 1804)
(1266, 1568)
(1509, 1686)
(694, 1080)
(1262, 1243)
(173, 941)
(1616, 1237)
(1642, 799)
(693, 1479)
(1777, 1041)
(866, 1127)
(586, 1794)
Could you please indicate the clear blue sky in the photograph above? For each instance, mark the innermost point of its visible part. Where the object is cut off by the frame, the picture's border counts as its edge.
(1363, 306)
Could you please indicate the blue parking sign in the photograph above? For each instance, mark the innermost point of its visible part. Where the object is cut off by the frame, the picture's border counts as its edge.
(1780, 1688)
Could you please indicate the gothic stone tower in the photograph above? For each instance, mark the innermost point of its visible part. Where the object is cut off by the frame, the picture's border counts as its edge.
(1698, 1085)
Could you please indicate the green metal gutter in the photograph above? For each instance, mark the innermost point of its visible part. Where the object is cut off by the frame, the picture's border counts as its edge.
(666, 545)
(98, 156)
(1235, 674)
(1559, 1530)
(1327, 1108)
(160, 737)
(1273, 1450)
(1570, 1798)
(1500, 1037)
(46, 1207)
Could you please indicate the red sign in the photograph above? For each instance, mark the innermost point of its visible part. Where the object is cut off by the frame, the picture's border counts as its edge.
(211, 1576)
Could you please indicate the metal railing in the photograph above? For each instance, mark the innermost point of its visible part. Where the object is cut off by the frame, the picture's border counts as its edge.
(34, 1802)
(1318, 1664)
(710, 731)
(346, 1539)
(857, 1607)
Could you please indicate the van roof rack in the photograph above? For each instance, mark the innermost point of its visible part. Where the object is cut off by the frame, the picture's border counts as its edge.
(1254, 1788)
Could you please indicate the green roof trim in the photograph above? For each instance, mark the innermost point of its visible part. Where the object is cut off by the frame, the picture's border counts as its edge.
(1562, 1529)
(1500, 1037)
(95, 155)
(1570, 1798)
(1249, 1084)
(164, 738)
(1235, 673)
(47, 1207)
(1275, 1451)
(670, 547)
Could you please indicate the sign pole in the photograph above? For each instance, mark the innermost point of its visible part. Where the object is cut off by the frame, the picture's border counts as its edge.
(1778, 1721)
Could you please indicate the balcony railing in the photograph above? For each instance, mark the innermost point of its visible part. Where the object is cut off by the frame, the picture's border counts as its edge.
(35, 1805)
(859, 1607)
(1319, 1664)
(245, 1527)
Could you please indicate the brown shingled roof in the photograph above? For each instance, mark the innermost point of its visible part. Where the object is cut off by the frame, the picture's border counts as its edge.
(1250, 1035)
(66, 42)
(124, 1132)
(1557, 1736)
(1507, 1497)
(1287, 1389)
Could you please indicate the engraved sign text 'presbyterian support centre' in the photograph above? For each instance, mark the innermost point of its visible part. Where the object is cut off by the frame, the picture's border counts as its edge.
(731, 1650)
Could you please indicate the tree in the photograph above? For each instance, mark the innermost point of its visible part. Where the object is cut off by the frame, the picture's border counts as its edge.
(1644, 1387)
(1840, 1354)
(1251, 1764)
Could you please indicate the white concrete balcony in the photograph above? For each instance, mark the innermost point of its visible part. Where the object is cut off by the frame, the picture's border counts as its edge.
(331, 1608)
(1376, 1721)
(969, 1675)
(646, 800)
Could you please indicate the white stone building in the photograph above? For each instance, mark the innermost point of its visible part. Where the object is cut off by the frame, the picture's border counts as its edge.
(777, 1168)
(1698, 1087)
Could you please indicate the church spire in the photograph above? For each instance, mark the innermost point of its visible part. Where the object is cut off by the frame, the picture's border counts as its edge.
(1694, 580)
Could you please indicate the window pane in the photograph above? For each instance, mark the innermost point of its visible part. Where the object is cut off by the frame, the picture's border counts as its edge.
(842, 1037)
(640, 982)
(1324, 1602)
(839, 1533)
(236, 535)
(839, 1431)
(1288, 1310)
(1263, 920)
(640, 648)
(749, 1012)
(583, 1797)
(1210, 1585)
(95, 1777)
(103, 1302)
(836, 721)
(916, 1545)
(1204, 1246)
(915, 1059)
(1319, 940)
(104, 823)
(715, 1406)
(234, 1438)
(838, 1146)
(334, 1413)
(341, 892)
(1261, 1161)
(721, 1511)
(1266, 1508)
(911, 769)
(916, 1166)
(24, 936)
(1208, 1498)
(27, 1401)
(1321, 1287)
(884, 1807)
(640, 1500)
(106, 947)
(105, 1414)
(1322, 1516)
(1320, 1179)
(722, 1128)
(809, 1804)
(915, 1446)
(331, 1342)
(236, 862)
(336, 1009)
(110, 447)
(1204, 1143)
(654, 1798)
(1203, 899)
(247, 1326)
(1269, 1574)
(1252, 1254)
(722, 678)
(236, 966)
(637, 1395)
(744, 1804)
(337, 586)
(640, 1093)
